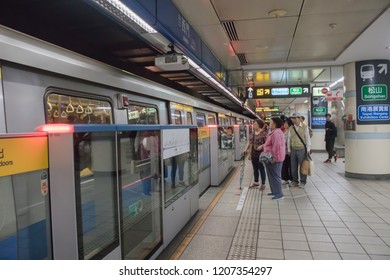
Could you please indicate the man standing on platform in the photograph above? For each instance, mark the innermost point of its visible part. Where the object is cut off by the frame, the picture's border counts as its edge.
(298, 144)
(330, 136)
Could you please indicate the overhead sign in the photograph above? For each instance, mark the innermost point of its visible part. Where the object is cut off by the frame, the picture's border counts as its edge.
(372, 97)
(278, 92)
(317, 91)
(267, 109)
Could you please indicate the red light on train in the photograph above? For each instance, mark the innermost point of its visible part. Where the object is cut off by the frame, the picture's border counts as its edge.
(56, 128)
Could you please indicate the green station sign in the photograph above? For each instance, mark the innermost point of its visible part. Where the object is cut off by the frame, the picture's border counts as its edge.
(319, 111)
(295, 91)
(374, 92)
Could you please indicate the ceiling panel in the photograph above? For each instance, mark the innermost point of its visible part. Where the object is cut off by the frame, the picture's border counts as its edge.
(337, 6)
(253, 9)
(266, 28)
(341, 22)
(317, 48)
(217, 40)
(263, 45)
(191, 9)
(266, 57)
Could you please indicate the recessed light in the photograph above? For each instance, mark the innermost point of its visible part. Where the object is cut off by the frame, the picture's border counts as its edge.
(277, 13)
(388, 47)
(333, 25)
(261, 47)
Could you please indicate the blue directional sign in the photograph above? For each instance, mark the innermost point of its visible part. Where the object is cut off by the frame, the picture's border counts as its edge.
(377, 112)
(318, 122)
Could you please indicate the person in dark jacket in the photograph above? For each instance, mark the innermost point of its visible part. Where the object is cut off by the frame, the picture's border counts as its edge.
(330, 136)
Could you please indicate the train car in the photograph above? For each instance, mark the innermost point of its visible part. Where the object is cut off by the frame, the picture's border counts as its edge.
(45, 84)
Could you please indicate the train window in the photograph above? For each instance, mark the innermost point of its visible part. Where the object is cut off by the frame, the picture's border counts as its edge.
(141, 114)
(176, 117)
(189, 118)
(61, 108)
(200, 119)
(211, 119)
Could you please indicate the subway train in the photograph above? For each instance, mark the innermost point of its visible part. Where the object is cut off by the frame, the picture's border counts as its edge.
(43, 85)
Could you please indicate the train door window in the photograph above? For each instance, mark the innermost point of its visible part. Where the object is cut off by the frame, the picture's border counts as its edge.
(233, 120)
(64, 108)
(176, 117)
(211, 119)
(142, 114)
(200, 119)
(189, 118)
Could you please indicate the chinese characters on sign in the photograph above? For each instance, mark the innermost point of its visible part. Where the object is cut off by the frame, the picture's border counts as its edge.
(372, 99)
(277, 92)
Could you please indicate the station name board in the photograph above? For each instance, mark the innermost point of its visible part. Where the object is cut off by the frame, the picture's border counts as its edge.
(278, 92)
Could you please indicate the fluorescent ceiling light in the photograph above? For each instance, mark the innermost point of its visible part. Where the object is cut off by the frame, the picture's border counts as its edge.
(125, 15)
(336, 82)
(306, 101)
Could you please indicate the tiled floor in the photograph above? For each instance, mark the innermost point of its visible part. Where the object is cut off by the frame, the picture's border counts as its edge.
(332, 218)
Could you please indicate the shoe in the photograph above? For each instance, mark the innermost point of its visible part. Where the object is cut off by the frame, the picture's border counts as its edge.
(278, 197)
(270, 193)
(294, 184)
(286, 182)
(327, 161)
(335, 158)
(302, 185)
(254, 185)
(262, 187)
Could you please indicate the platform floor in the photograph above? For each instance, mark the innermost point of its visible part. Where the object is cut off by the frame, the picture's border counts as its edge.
(332, 218)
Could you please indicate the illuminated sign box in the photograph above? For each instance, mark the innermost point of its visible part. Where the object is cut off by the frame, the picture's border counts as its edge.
(267, 109)
(278, 92)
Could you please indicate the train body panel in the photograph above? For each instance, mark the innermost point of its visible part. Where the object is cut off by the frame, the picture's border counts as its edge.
(42, 83)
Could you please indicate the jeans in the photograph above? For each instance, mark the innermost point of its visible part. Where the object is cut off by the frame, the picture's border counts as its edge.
(274, 177)
(297, 157)
(256, 167)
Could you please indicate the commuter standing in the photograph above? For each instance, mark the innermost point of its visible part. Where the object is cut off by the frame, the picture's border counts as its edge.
(298, 145)
(254, 149)
(330, 135)
(286, 168)
(275, 146)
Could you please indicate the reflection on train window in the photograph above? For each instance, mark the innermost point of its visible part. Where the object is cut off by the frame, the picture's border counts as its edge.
(62, 108)
(200, 119)
(24, 217)
(139, 114)
(141, 197)
(189, 118)
(96, 194)
(181, 171)
(176, 117)
(211, 119)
